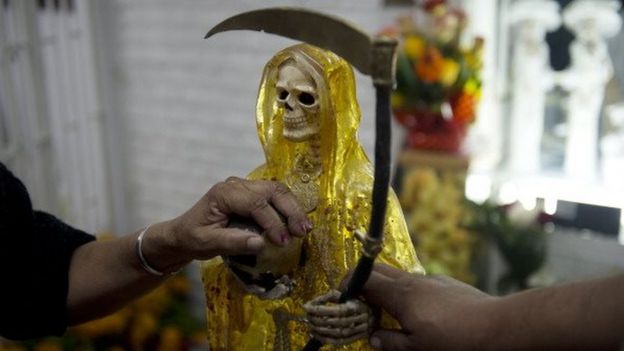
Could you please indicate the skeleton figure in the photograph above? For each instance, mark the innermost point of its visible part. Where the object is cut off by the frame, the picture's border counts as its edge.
(307, 118)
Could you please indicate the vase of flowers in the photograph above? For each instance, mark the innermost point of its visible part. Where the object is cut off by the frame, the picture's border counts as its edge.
(438, 78)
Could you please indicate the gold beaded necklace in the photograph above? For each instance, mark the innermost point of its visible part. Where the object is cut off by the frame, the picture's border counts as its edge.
(303, 181)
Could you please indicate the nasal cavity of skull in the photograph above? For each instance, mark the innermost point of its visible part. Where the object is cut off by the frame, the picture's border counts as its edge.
(283, 98)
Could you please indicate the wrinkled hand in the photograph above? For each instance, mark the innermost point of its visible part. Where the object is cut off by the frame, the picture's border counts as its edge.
(202, 233)
(435, 313)
(335, 323)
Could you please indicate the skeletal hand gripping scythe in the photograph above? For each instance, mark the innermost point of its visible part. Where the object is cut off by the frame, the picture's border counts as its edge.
(371, 55)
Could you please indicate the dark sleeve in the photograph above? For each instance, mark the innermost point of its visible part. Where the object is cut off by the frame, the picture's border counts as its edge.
(35, 251)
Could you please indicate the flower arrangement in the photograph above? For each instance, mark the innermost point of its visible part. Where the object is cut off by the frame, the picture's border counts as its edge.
(438, 78)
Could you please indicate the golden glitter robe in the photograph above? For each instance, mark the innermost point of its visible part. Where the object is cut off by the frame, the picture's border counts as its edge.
(238, 320)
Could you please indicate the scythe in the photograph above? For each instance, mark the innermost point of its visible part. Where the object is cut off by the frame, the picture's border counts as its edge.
(371, 55)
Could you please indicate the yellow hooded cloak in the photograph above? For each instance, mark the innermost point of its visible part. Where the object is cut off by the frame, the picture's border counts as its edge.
(238, 320)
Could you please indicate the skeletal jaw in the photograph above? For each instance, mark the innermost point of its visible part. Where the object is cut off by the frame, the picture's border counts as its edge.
(300, 128)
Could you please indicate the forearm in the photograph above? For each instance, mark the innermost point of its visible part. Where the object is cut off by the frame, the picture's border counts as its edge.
(105, 275)
(579, 316)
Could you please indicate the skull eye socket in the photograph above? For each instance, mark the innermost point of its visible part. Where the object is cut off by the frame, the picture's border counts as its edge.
(282, 95)
(307, 99)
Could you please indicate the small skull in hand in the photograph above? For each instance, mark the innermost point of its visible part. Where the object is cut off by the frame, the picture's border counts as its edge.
(338, 323)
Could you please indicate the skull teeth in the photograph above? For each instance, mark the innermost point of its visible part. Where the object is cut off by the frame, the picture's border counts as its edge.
(295, 120)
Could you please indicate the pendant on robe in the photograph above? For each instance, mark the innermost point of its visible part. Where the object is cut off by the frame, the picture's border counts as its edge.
(305, 189)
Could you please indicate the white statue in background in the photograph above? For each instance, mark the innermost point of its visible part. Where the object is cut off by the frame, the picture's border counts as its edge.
(612, 147)
(532, 79)
(591, 69)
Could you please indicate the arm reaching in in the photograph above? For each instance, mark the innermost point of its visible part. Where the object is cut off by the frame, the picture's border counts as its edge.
(439, 313)
(105, 275)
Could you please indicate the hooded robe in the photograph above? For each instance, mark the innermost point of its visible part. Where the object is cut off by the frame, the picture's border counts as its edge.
(239, 320)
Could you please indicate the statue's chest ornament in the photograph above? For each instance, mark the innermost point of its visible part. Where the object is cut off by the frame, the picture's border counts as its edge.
(303, 180)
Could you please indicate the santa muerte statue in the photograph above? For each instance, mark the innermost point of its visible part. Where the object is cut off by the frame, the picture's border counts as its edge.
(307, 119)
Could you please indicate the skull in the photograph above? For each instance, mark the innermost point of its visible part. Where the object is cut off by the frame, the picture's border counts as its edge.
(267, 274)
(297, 94)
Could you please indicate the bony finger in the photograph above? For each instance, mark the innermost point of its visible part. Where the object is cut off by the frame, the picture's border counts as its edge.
(339, 332)
(339, 322)
(348, 308)
(331, 296)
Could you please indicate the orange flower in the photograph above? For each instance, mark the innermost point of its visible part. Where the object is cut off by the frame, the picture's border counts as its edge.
(429, 67)
(464, 108)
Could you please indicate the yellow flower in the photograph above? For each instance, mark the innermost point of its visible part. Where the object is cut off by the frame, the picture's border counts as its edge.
(450, 71)
(414, 47)
(471, 86)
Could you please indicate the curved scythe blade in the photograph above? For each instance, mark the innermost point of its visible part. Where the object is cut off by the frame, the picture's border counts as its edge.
(327, 32)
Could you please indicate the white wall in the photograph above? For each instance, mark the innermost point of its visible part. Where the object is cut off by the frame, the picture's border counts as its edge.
(186, 105)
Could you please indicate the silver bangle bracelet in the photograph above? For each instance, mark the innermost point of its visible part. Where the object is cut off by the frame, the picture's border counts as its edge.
(139, 251)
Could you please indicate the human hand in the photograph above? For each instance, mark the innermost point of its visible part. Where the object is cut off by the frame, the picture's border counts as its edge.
(435, 313)
(202, 232)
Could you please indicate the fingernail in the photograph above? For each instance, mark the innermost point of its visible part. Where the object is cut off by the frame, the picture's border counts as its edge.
(375, 343)
(304, 227)
(307, 225)
(255, 243)
(284, 239)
